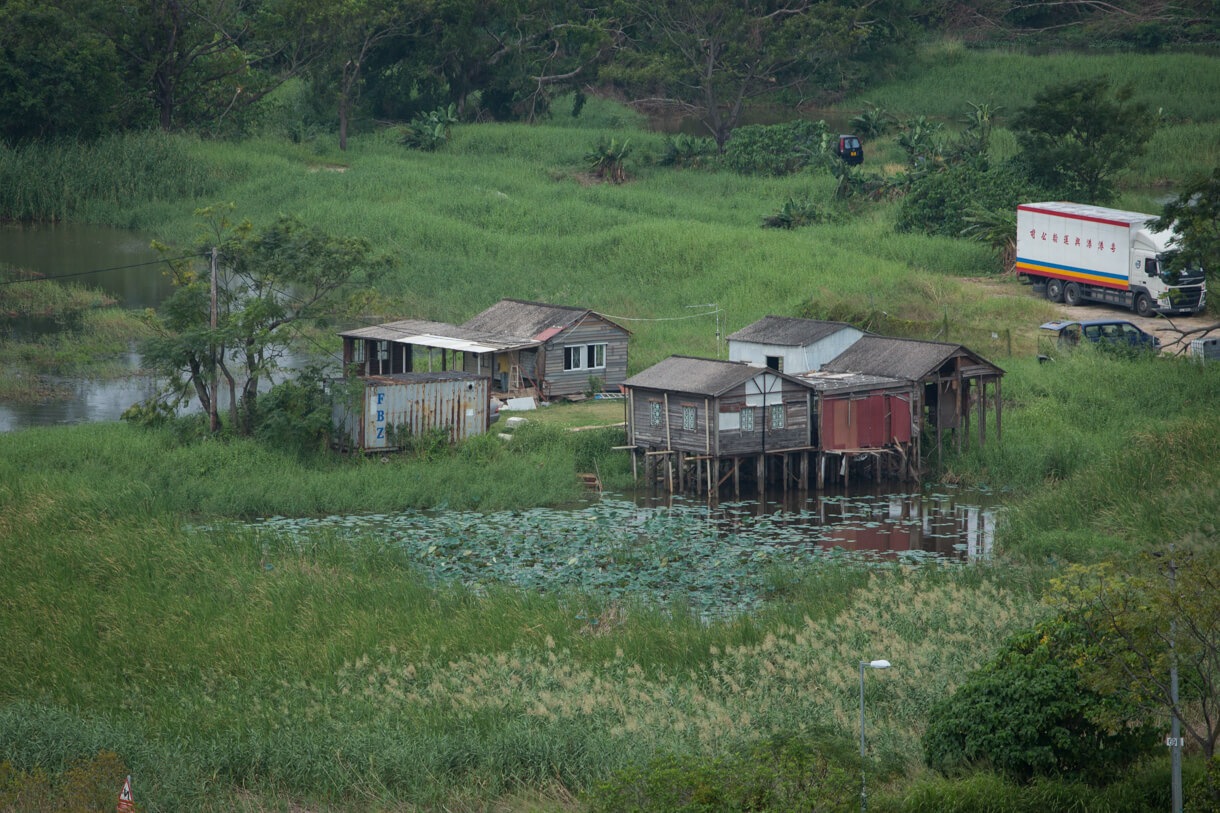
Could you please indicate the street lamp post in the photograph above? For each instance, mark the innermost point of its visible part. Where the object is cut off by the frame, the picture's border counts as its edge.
(870, 665)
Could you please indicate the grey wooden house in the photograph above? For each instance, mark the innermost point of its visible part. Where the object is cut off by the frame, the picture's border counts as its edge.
(571, 347)
(791, 345)
(708, 416)
(550, 351)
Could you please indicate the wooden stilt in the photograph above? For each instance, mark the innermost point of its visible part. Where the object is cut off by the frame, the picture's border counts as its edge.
(982, 411)
(635, 475)
(737, 477)
(804, 471)
(821, 473)
(681, 471)
(760, 466)
(785, 472)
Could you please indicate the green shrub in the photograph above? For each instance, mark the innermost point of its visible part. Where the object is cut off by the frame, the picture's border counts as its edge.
(799, 212)
(430, 130)
(777, 149)
(785, 773)
(1028, 714)
(688, 152)
(939, 202)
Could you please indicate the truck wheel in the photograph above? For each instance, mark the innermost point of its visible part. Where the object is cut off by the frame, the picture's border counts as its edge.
(1054, 290)
(1071, 294)
(1143, 305)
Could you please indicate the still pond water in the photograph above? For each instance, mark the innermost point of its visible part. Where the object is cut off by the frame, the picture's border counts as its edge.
(69, 248)
(718, 559)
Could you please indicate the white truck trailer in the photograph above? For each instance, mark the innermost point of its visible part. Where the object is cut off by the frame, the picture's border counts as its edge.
(1079, 253)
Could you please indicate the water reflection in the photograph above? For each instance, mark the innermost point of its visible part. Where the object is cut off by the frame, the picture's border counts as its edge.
(88, 400)
(54, 249)
(866, 518)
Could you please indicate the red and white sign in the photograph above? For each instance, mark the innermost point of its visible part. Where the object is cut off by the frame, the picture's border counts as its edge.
(125, 802)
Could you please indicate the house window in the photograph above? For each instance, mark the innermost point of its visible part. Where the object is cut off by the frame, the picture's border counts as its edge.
(775, 363)
(584, 357)
(747, 419)
(688, 418)
(358, 351)
(778, 416)
(654, 412)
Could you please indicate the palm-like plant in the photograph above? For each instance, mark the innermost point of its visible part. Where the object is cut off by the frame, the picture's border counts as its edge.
(606, 161)
(995, 227)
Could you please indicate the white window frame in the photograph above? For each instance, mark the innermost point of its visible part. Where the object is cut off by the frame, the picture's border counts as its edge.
(586, 356)
(747, 419)
(781, 411)
(656, 412)
(690, 418)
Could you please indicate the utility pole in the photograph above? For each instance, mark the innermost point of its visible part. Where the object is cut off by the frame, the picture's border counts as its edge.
(1175, 724)
(213, 416)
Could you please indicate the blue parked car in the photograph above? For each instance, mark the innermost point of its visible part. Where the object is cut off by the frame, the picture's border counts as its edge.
(1107, 331)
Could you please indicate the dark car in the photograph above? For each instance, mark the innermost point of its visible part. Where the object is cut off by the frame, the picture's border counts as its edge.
(850, 150)
(1107, 331)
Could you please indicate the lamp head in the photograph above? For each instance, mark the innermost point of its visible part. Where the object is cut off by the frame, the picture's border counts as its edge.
(878, 664)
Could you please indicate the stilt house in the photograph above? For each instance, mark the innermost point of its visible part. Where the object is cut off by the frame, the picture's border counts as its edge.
(950, 379)
(701, 412)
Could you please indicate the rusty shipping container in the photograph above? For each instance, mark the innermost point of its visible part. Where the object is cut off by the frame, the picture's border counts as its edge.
(409, 404)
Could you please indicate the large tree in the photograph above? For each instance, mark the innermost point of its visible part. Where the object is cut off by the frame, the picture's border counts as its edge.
(709, 57)
(1076, 137)
(196, 61)
(56, 76)
(1195, 216)
(268, 284)
(1146, 619)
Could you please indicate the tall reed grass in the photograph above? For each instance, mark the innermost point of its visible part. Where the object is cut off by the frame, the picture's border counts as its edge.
(97, 181)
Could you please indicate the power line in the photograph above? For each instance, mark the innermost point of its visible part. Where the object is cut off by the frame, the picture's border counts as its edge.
(103, 270)
(663, 318)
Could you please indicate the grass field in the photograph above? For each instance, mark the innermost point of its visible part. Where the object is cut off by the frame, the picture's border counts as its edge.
(230, 669)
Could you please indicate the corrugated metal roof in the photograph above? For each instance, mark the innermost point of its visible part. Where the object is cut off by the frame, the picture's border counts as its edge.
(441, 335)
(787, 331)
(695, 375)
(900, 358)
(824, 381)
(518, 317)
(417, 378)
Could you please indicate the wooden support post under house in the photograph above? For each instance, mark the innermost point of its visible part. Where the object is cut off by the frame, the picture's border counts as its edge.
(736, 476)
(635, 475)
(804, 471)
(681, 471)
(785, 472)
(821, 473)
(760, 466)
(982, 411)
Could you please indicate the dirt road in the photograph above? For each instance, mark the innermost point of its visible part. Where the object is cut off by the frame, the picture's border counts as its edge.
(1159, 326)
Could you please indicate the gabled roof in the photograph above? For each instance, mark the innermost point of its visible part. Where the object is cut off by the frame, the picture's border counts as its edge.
(911, 359)
(787, 331)
(537, 320)
(440, 334)
(698, 376)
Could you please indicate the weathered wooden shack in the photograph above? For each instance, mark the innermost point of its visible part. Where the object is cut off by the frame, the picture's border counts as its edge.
(572, 347)
(791, 345)
(696, 420)
(950, 379)
(863, 418)
(550, 351)
(395, 407)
